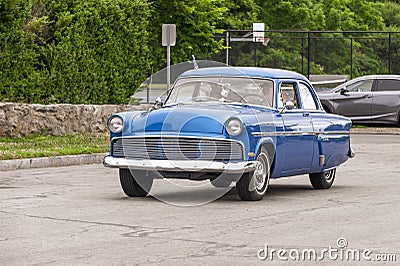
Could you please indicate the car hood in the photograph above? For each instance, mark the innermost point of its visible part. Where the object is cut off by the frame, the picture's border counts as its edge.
(326, 94)
(185, 118)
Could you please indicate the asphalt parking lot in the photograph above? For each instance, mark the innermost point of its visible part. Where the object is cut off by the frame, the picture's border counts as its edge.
(79, 215)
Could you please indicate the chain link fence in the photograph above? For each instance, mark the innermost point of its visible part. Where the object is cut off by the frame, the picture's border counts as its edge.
(350, 53)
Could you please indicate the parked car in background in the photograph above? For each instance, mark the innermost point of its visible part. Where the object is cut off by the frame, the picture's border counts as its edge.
(367, 99)
(229, 124)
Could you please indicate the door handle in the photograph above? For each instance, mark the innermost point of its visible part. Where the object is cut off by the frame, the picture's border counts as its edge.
(306, 114)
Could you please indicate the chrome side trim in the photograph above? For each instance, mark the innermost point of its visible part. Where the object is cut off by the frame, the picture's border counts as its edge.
(374, 117)
(299, 133)
(177, 165)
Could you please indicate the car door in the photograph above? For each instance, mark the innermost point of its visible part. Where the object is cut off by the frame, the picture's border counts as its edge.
(298, 131)
(331, 138)
(355, 100)
(386, 100)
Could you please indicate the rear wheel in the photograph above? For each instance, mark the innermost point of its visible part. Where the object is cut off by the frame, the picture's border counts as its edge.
(253, 186)
(135, 183)
(398, 120)
(323, 180)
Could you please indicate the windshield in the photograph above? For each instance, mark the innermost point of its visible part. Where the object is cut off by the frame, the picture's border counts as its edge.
(222, 89)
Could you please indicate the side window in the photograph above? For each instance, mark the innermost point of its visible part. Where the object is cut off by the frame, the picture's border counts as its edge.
(361, 86)
(307, 98)
(287, 92)
(388, 85)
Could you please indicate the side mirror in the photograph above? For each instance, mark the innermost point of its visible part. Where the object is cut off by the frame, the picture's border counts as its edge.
(289, 105)
(343, 91)
(158, 102)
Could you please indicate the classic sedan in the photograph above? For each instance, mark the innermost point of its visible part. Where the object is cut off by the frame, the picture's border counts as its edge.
(229, 124)
(367, 99)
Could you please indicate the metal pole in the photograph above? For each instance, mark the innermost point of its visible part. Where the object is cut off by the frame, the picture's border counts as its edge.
(302, 55)
(149, 84)
(148, 89)
(308, 53)
(168, 60)
(390, 53)
(168, 66)
(351, 58)
(227, 46)
(255, 54)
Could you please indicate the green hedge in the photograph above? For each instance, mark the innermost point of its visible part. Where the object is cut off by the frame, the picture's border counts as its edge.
(92, 51)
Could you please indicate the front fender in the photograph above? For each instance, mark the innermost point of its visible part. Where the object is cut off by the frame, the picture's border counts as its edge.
(264, 141)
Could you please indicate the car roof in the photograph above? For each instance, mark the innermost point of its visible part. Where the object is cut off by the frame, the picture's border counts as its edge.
(367, 77)
(257, 72)
(373, 77)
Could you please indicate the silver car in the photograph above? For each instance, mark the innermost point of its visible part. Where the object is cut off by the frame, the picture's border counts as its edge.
(367, 99)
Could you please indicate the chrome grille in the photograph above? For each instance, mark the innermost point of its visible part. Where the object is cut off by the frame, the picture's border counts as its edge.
(177, 148)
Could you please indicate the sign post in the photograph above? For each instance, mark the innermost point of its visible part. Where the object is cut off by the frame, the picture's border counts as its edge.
(168, 39)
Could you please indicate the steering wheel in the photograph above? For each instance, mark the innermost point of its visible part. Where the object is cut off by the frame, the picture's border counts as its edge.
(254, 98)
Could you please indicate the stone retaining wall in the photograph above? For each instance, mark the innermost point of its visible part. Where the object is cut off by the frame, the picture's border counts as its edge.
(18, 120)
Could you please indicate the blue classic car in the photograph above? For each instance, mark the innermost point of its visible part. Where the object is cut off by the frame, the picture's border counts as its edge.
(230, 124)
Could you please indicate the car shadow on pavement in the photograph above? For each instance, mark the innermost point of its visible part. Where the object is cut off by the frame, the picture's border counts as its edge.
(274, 190)
(196, 197)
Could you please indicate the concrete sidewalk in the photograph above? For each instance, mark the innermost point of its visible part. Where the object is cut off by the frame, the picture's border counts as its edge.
(7, 165)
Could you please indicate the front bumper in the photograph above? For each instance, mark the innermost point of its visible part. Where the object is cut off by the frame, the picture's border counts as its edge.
(181, 166)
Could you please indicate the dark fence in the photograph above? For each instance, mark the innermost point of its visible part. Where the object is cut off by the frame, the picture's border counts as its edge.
(351, 53)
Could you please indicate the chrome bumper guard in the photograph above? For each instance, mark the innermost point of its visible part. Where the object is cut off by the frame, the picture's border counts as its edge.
(181, 165)
(351, 153)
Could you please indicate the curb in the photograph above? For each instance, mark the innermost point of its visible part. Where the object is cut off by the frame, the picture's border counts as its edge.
(43, 162)
(375, 131)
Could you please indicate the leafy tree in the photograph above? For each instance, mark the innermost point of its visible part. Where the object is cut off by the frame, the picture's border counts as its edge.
(330, 52)
(390, 11)
(240, 14)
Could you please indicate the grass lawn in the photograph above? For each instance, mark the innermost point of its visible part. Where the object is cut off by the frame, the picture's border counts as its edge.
(44, 146)
(359, 126)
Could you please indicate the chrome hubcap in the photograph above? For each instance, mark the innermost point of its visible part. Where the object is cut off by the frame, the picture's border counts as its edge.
(329, 175)
(261, 173)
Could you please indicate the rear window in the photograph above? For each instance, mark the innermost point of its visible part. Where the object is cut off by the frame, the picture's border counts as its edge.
(388, 85)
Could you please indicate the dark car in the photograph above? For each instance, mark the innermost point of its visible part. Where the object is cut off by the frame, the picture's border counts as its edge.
(367, 99)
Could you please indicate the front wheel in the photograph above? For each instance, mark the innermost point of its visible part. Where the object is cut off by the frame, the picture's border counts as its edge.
(323, 180)
(135, 183)
(326, 109)
(253, 186)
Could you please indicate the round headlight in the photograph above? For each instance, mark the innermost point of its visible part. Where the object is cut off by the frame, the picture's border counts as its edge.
(234, 126)
(115, 124)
